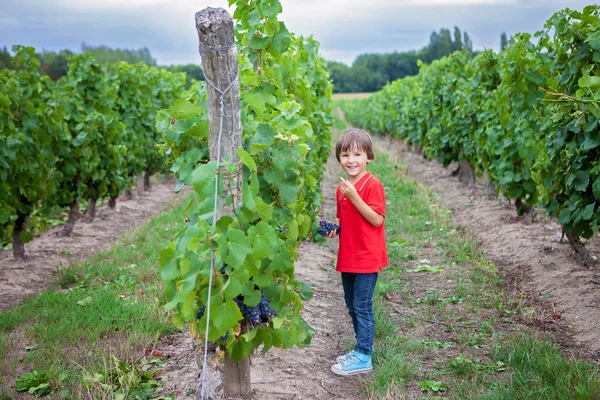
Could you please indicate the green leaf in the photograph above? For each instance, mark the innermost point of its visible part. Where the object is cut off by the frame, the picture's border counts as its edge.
(273, 175)
(183, 109)
(251, 296)
(591, 82)
(306, 291)
(265, 211)
(240, 349)
(203, 179)
(282, 40)
(246, 159)
(293, 231)
(257, 104)
(591, 141)
(426, 268)
(166, 254)
(270, 9)
(235, 248)
(198, 130)
(582, 180)
(565, 216)
(588, 211)
(288, 192)
(262, 280)
(232, 288)
(4, 100)
(596, 189)
(169, 271)
(263, 237)
(535, 77)
(226, 316)
(277, 321)
(262, 138)
(254, 18)
(26, 237)
(247, 197)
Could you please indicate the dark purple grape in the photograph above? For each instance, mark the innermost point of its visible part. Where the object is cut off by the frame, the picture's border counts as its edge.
(201, 312)
(325, 227)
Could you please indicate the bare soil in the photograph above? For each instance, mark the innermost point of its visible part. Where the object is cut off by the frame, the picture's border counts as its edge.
(22, 278)
(531, 258)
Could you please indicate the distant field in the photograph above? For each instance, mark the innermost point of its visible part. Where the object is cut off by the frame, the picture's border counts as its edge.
(350, 96)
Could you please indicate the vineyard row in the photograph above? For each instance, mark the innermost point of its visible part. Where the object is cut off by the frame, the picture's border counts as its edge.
(83, 137)
(527, 117)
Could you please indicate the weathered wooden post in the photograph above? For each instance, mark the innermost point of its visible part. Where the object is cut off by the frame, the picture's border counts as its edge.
(219, 60)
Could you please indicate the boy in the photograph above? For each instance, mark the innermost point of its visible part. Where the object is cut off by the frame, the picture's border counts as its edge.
(362, 253)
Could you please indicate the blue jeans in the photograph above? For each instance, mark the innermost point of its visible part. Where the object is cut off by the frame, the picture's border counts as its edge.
(358, 293)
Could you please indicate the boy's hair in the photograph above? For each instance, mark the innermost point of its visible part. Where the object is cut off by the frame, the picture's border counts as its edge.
(354, 138)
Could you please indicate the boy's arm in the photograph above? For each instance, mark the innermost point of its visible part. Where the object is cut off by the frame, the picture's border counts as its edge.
(363, 208)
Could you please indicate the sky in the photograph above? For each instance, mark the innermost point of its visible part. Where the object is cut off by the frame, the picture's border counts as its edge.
(345, 28)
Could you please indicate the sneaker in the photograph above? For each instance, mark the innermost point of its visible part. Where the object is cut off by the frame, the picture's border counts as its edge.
(345, 357)
(357, 363)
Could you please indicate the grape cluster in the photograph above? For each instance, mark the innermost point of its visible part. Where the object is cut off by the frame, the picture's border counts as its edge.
(223, 269)
(325, 227)
(259, 314)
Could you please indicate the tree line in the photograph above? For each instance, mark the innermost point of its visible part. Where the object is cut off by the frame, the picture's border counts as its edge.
(56, 64)
(370, 72)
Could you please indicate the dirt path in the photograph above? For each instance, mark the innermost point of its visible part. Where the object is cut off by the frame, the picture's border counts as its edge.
(291, 373)
(531, 258)
(22, 278)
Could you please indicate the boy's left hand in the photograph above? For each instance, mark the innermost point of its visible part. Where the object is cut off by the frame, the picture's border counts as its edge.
(348, 190)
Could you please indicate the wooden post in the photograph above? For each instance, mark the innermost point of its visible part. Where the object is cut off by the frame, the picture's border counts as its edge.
(219, 60)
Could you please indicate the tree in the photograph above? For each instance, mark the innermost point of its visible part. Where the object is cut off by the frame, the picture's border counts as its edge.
(457, 44)
(503, 41)
(6, 59)
(467, 42)
(445, 44)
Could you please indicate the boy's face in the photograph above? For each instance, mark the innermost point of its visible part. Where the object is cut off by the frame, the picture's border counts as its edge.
(354, 162)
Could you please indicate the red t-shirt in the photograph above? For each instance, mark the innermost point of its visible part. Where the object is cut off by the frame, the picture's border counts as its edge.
(362, 245)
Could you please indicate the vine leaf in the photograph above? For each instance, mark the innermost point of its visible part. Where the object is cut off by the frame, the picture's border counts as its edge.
(246, 159)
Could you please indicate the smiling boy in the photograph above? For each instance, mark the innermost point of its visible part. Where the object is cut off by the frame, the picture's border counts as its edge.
(362, 251)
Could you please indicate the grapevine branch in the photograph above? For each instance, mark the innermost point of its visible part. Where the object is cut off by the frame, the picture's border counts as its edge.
(565, 97)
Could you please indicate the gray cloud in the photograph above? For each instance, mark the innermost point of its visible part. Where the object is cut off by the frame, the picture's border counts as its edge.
(345, 28)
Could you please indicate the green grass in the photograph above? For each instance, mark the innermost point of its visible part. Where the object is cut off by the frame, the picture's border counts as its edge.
(457, 328)
(101, 311)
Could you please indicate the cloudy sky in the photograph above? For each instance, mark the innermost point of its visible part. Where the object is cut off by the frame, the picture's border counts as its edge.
(345, 28)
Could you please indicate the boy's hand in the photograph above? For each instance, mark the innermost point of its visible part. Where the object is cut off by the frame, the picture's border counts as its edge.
(332, 234)
(348, 190)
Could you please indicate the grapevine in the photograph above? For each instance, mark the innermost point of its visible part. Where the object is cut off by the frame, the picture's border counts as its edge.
(286, 125)
(77, 138)
(528, 117)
